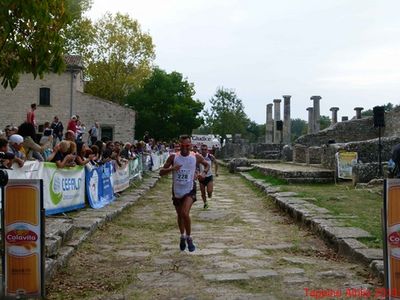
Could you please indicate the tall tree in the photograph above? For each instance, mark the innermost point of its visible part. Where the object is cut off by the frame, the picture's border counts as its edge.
(32, 36)
(165, 106)
(226, 115)
(118, 57)
(298, 128)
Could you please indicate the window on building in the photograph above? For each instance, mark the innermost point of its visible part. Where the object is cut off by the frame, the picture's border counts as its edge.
(107, 133)
(44, 98)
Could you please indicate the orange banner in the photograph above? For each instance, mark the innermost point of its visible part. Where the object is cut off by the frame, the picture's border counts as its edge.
(23, 226)
(392, 230)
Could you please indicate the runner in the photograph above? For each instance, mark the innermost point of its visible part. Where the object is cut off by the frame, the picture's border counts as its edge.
(183, 164)
(207, 180)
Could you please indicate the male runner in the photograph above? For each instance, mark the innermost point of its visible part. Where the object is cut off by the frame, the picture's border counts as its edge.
(207, 180)
(183, 164)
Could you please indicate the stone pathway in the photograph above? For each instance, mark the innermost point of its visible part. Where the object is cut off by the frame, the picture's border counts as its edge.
(246, 249)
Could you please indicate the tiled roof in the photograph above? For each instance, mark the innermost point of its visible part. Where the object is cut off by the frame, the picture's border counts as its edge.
(73, 61)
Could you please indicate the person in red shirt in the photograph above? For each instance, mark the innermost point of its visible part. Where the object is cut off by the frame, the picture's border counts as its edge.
(72, 124)
(30, 116)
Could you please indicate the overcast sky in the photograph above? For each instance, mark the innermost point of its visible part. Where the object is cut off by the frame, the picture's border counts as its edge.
(346, 51)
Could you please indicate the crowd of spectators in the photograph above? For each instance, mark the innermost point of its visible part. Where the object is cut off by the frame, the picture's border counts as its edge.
(69, 149)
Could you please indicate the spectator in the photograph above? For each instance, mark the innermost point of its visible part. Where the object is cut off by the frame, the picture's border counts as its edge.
(126, 151)
(58, 129)
(7, 158)
(62, 154)
(83, 154)
(94, 133)
(72, 124)
(45, 140)
(70, 136)
(80, 130)
(30, 116)
(14, 146)
(146, 137)
(32, 149)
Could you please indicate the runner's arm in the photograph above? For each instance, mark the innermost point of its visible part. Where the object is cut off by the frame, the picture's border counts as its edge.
(200, 160)
(169, 166)
(214, 160)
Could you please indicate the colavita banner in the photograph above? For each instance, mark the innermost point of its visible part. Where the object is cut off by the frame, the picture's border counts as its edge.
(345, 162)
(63, 188)
(23, 236)
(392, 241)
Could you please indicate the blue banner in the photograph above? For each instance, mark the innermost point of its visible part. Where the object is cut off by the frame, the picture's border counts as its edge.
(99, 188)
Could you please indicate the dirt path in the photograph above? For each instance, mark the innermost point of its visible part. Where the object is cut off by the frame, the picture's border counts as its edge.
(246, 249)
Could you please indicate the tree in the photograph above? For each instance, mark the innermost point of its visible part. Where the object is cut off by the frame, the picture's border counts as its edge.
(165, 106)
(255, 131)
(117, 55)
(324, 122)
(388, 107)
(226, 115)
(298, 128)
(32, 36)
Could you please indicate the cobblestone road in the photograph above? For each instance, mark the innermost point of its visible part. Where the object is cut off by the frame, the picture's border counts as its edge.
(246, 249)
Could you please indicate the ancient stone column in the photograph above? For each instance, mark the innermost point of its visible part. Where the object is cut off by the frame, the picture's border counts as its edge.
(277, 117)
(269, 130)
(345, 118)
(310, 120)
(287, 133)
(316, 115)
(334, 111)
(358, 112)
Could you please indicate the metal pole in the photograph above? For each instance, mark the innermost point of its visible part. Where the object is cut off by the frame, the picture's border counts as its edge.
(380, 153)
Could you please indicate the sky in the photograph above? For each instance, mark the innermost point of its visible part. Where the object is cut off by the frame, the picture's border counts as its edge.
(346, 51)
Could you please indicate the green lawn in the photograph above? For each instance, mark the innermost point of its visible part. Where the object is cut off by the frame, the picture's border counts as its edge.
(342, 198)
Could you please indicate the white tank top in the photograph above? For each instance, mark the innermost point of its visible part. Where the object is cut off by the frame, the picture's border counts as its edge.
(183, 179)
(209, 161)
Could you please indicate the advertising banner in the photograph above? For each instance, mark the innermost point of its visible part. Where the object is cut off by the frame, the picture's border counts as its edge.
(30, 170)
(99, 188)
(135, 171)
(23, 236)
(63, 188)
(345, 162)
(392, 240)
(121, 177)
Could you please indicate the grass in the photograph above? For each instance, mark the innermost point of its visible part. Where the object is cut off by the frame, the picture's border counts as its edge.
(342, 199)
(267, 178)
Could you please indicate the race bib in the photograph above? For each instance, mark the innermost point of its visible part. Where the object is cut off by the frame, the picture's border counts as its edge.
(183, 175)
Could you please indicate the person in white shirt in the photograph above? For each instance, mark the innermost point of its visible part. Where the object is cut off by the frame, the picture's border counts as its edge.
(183, 164)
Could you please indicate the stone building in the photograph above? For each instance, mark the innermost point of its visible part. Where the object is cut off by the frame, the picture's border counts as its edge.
(62, 95)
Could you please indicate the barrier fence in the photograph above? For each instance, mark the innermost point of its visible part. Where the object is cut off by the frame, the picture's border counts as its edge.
(65, 189)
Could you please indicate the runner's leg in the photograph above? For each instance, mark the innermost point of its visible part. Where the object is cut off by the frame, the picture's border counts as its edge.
(210, 188)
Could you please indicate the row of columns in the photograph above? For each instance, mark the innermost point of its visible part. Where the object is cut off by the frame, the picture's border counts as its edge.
(334, 111)
(275, 136)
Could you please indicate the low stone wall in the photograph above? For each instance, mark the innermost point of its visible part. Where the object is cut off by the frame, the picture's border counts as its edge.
(313, 155)
(299, 153)
(342, 132)
(363, 173)
(251, 150)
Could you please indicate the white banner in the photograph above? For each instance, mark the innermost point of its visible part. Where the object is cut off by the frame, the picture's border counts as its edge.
(63, 188)
(121, 177)
(30, 170)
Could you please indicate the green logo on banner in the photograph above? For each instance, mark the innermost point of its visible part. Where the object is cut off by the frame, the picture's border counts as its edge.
(55, 197)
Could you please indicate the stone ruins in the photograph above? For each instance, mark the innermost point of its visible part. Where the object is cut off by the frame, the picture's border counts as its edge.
(319, 147)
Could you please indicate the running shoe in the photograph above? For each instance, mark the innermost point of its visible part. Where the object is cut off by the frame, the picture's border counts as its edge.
(191, 245)
(182, 244)
(206, 205)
